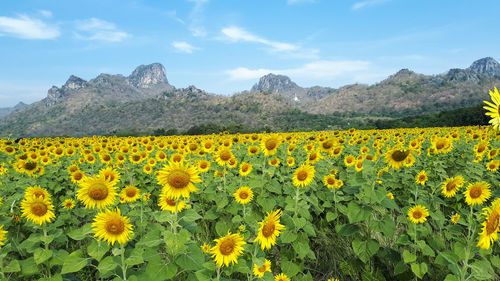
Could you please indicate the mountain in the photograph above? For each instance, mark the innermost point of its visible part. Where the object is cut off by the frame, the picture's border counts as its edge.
(4, 111)
(145, 100)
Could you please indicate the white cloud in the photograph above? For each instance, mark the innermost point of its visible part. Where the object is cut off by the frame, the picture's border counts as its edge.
(173, 15)
(27, 28)
(196, 18)
(236, 34)
(184, 47)
(363, 4)
(100, 30)
(45, 13)
(320, 70)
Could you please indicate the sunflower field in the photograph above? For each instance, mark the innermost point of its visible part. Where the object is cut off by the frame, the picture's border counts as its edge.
(402, 204)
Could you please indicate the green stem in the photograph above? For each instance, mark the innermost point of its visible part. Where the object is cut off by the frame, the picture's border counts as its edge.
(45, 236)
(124, 266)
(297, 193)
(176, 211)
(244, 211)
(218, 273)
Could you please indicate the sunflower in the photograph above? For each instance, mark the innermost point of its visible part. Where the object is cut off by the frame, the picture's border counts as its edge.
(77, 176)
(359, 165)
(73, 168)
(145, 196)
(130, 193)
(349, 160)
(313, 156)
(421, 177)
(396, 157)
(303, 175)
(290, 161)
(110, 175)
(232, 163)
(494, 109)
(260, 270)
(455, 218)
(274, 162)
(281, 277)
(253, 150)
(390, 195)
(36, 191)
(329, 181)
(166, 203)
(489, 233)
(177, 179)
(112, 227)
(223, 156)
(37, 209)
(492, 153)
(96, 192)
(269, 230)
(2, 235)
(29, 167)
(270, 144)
(451, 186)
(333, 279)
(227, 249)
(493, 165)
(245, 169)
(477, 193)
(205, 248)
(243, 195)
(441, 145)
(160, 156)
(418, 214)
(203, 166)
(68, 204)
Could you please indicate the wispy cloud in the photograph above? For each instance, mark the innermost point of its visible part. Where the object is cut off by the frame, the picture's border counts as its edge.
(173, 15)
(293, 2)
(196, 18)
(184, 47)
(100, 30)
(321, 69)
(363, 4)
(236, 34)
(26, 27)
(45, 13)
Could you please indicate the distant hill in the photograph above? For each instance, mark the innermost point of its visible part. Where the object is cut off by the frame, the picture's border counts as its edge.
(145, 101)
(4, 111)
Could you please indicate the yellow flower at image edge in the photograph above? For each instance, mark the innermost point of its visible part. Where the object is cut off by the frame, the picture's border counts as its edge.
(177, 180)
(96, 192)
(491, 224)
(2, 236)
(112, 227)
(37, 209)
(227, 249)
(418, 214)
(494, 109)
(269, 230)
(281, 277)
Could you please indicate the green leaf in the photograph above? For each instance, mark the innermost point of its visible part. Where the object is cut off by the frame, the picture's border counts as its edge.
(349, 230)
(80, 233)
(419, 269)
(409, 257)
(290, 268)
(106, 265)
(158, 271)
(97, 250)
(193, 259)
(495, 260)
(190, 215)
(330, 216)
(288, 236)
(451, 277)
(357, 213)
(58, 257)
(28, 266)
(42, 255)
(426, 250)
(222, 227)
(74, 262)
(13, 266)
(135, 257)
(175, 242)
(57, 277)
(365, 249)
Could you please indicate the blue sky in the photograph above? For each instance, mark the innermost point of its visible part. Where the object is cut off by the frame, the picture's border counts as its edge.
(225, 46)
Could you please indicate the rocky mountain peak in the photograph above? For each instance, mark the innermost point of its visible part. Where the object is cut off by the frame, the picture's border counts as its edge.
(147, 76)
(403, 75)
(274, 83)
(75, 83)
(488, 66)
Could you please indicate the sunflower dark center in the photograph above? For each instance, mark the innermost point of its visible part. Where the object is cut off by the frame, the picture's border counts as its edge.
(268, 229)
(302, 175)
(440, 144)
(253, 150)
(330, 180)
(193, 147)
(244, 168)
(481, 148)
(178, 179)
(98, 191)
(421, 178)
(327, 144)
(106, 158)
(136, 157)
(77, 176)
(313, 156)
(30, 166)
(115, 226)
(492, 223)
(208, 145)
(243, 195)
(274, 161)
(225, 155)
(451, 186)
(227, 247)
(417, 214)
(39, 193)
(203, 165)
(400, 155)
(475, 192)
(171, 202)
(271, 144)
(336, 151)
(39, 209)
(131, 192)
